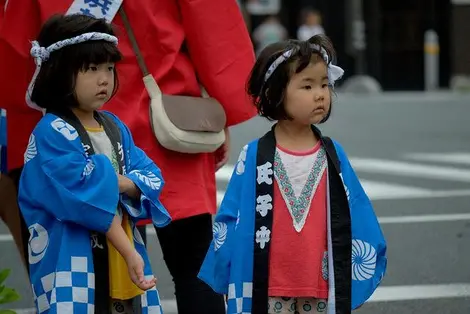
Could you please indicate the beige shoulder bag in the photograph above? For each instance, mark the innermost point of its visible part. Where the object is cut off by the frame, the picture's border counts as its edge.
(183, 124)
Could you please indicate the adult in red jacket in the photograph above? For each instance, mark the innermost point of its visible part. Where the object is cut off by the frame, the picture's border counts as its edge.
(179, 39)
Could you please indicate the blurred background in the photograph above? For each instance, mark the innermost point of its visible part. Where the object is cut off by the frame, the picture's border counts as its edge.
(402, 113)
(389, 41)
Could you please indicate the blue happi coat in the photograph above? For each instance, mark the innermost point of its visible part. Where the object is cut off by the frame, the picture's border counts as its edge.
(65, 194)
(3, 140)
(237, 261)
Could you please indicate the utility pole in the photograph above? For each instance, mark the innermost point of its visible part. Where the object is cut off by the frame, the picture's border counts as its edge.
(356, 45)
(356, 34)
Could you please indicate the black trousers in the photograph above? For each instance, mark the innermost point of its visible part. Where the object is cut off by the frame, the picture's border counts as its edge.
(184, 245)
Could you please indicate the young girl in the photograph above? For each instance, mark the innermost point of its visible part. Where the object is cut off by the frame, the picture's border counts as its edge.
(295, 232)
(85, 184)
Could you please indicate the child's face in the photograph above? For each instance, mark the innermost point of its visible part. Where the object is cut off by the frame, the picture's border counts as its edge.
(308, 95)
(312, 19)
(94, 86)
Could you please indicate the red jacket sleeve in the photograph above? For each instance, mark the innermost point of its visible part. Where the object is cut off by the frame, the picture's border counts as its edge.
(20, 25)
(222, 53)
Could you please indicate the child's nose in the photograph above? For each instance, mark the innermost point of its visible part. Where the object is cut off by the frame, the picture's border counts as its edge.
(103, 80)
(319, 96)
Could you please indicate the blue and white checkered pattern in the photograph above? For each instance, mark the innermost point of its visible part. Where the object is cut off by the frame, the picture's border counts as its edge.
(70, 291)
(150, 301)
(67, 291)
(240, 297)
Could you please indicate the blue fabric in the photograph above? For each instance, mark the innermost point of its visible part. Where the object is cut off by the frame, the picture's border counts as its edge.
(64, 194)
(228, 266)
(3, 141)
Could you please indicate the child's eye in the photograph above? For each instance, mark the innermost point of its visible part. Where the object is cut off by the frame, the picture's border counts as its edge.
(324, 86)
(111, 68)
(93, 68)
(308, 87)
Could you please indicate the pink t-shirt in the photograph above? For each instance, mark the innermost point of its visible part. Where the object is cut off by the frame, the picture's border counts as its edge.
(298, 254)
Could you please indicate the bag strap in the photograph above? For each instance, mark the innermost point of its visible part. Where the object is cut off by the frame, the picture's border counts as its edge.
(331, 150)
(138, 53)
(135, 46)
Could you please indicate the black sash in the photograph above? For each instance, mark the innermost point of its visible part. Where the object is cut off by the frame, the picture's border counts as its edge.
(340, 225)
(98, 240)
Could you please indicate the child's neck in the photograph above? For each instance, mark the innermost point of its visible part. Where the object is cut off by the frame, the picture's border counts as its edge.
(294, 136)
(86, 117)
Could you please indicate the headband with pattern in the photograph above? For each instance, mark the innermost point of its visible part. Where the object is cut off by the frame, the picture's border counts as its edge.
(334, 72)
(41, 54)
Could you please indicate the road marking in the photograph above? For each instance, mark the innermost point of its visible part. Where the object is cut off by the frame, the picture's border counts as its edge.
(425, 195)
(224, 173)
(379, 190)
(220, 197)
(374, 189)
(410, 169)
(420, 292)
(383, 220)
(382, 294)
(5, 237)
(394, 220)
(168, 305)
(453, 158)
(423, 218)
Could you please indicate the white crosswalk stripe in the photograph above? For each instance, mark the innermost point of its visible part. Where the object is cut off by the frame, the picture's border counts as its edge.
(414, 170)
(450, 158)
(410, 169)
(454, 170)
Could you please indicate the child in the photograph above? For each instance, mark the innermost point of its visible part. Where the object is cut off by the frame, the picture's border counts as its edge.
(85, 184)
(289, 237)
(311, 24)
(268, 32)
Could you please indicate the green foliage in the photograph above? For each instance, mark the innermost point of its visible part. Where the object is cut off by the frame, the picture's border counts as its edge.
(7, 295)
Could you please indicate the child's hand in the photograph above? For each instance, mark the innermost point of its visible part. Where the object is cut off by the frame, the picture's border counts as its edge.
(128, 187)
(223, 152)
(135, 266)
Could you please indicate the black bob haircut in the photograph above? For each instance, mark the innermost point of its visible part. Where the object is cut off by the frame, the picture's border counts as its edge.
(54, 87)
(269, 96)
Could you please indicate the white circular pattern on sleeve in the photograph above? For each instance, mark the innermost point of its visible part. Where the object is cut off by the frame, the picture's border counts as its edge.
(31, 150)
(37, 243)
(89, 167)
(364, 259)
(219, 230)
(65, 129)
(151, 180)
(240, 166)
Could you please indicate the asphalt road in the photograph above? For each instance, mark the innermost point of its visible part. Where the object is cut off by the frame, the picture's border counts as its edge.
(412, 154)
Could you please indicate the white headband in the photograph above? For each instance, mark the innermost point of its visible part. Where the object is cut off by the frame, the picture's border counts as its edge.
(41, 54)
(334, 72)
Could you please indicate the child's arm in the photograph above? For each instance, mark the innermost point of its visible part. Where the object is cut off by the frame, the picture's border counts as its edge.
(215, 270)
(118, 238)
(142, 184)
(135, 264)
(60, 179)
(128, 187)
